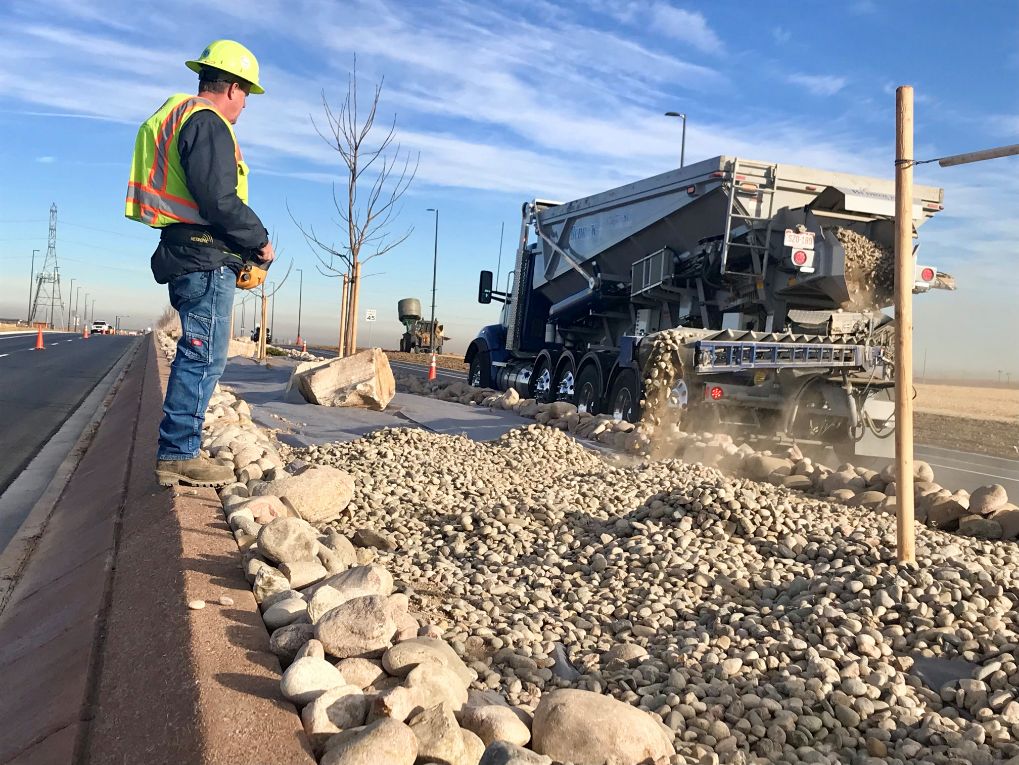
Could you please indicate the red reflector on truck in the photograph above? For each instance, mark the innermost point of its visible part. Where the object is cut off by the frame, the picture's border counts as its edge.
(716, 393)
(927, 274)
(799, 257)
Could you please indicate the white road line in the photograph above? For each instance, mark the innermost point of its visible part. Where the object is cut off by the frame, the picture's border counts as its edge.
(974, 472)
(975, 463)
(2, 355)
(950, 452)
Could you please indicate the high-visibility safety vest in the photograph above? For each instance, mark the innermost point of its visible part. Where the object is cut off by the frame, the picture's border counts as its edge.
(157, 193)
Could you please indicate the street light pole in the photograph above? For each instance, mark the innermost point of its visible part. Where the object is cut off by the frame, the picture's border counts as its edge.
(77, 294)
(300, 295)
(93, 309)
(682, 146)
(31, 281)
(70, 292)
(272, 321)
(435, 268)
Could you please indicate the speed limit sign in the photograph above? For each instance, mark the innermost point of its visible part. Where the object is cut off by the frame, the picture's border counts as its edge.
(369, 314)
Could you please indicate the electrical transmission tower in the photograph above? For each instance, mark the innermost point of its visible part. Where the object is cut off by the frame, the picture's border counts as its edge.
(47, 284)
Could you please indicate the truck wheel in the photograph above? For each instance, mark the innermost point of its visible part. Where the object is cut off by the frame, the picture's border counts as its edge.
(479, 374)
(589, 390)
(541, 386)
(624, 400)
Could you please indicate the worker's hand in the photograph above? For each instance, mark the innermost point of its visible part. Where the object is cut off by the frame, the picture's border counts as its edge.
(267, 254)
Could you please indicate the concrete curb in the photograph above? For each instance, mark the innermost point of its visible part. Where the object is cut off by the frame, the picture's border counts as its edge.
(102, 660)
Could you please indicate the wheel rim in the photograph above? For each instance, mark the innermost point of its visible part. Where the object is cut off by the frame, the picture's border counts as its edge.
(622, 406)
(565, 389)
(587, 397)
(543, 384)
(475, 380)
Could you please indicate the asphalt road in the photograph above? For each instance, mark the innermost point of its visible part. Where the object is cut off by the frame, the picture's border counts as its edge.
(40, 389)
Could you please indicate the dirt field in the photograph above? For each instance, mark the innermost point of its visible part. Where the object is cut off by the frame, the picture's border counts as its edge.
(979, 403)
(443, 360)
(980, 419)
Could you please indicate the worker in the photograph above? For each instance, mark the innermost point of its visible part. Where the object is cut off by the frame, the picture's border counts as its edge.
(189, 180)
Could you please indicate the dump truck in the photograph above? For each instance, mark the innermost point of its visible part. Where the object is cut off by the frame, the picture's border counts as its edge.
(417, 335)
(754, 289)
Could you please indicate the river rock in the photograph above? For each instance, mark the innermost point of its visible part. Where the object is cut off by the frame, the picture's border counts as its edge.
(760, 466)
(263, 509)
(356, 582)
(980, 527)
(494, 722)
(339, 544)
(337, 709)
(308, 678)
(288, 540)
(988, 499)
(302, 573)
(372, 538)
(285, 612)
(268, 581)
(588, 728)
(438, 735)
(362, 626)
(383, 742)
(318, 494)
(505, 753)
(287, 641)
(432, 684)
(361, 672)
(946, 514)
(403, 657)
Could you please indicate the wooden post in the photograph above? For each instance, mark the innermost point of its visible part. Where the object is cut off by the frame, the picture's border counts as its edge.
(905, 534)
(355, 295)
(342, 343)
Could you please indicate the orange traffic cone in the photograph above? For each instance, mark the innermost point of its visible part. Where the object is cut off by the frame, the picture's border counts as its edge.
(431, 368)
(84, 332)
(38, 341)
(304, 346)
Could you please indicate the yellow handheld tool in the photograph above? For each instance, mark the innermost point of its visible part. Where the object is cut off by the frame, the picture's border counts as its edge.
(250, 276)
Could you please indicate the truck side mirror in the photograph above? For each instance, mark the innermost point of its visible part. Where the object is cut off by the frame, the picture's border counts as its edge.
(485, 287)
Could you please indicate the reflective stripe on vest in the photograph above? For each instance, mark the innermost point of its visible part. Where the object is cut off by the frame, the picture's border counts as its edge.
(151, 202)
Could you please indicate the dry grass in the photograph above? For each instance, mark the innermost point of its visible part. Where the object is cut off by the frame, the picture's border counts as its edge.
(972, 402)
(13, 327)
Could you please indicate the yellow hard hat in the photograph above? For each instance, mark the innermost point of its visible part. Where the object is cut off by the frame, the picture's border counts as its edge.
(231, 57)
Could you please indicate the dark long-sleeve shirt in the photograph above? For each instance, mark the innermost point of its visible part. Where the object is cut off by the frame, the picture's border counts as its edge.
(210, 169)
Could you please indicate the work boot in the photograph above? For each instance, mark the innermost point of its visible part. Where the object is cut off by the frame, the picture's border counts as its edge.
(198, 471)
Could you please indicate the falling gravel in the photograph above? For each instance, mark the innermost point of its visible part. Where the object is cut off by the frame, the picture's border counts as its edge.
(757, 623)
(870, 271)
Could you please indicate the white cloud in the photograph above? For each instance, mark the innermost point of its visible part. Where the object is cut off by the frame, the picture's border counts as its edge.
(46, 160)
(686, 26)
(781, 35)
(818, 84)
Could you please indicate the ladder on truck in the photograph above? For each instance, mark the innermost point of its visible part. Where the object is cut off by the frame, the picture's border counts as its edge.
(738, 212)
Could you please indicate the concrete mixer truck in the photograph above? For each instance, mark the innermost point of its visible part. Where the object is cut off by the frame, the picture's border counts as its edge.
(737, 294)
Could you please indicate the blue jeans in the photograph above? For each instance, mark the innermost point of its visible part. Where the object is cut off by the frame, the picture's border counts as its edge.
(204, 300)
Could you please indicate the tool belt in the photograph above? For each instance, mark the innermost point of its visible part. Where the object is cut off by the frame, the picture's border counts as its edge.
(191, 235)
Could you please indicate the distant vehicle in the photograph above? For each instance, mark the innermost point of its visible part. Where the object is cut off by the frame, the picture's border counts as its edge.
(268, 334)
(101, 328)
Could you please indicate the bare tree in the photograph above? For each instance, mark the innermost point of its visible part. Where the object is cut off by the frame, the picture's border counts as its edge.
(378, 173)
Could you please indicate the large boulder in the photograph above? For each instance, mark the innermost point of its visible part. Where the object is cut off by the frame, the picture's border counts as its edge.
(318, 494)
(337, 709)
(288, 540)
(361, 627)
(384, 741)
(946, 514)
(988, 499)
(589, 729)
(363, 380)
(495, 722)
(439, 737)
(760, 466)
(403, 657)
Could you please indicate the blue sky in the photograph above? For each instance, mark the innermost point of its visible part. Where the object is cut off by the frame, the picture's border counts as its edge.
(507, 102)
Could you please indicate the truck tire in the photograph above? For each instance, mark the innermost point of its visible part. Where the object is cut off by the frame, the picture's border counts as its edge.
(479, 374)
(541, 385)
(590, 390)
(624, 399)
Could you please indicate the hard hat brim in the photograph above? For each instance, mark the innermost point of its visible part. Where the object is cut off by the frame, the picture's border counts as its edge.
(196, 66)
